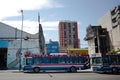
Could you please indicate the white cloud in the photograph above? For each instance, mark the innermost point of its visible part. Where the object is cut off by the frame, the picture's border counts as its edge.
(9, 8)
(32, 26)
(51, 25)
(12, 7)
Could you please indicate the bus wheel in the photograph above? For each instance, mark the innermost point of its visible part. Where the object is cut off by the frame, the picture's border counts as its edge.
(114, 70)
(73, 69)
(36, 69)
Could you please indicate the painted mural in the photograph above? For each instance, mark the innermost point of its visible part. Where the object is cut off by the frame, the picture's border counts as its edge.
(14, 51)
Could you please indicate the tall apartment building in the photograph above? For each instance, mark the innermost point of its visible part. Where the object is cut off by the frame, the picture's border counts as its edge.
(68, 35)
(111, 21)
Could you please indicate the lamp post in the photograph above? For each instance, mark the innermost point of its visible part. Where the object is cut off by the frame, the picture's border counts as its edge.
(21, 42)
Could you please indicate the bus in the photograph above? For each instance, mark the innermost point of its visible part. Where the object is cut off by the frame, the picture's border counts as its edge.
(106, 62)
(40, 62)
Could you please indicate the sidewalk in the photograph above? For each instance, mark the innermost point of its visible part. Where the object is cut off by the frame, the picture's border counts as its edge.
(86, 70)
(10, 71)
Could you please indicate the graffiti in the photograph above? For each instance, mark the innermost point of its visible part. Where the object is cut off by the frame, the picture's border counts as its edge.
(16, 61)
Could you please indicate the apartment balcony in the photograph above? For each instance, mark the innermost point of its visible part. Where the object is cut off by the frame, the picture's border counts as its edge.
(118, 17)
(116, 14)
(115, 24)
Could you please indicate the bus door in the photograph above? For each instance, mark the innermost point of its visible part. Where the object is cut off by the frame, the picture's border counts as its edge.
(29, 61)
(106, 61)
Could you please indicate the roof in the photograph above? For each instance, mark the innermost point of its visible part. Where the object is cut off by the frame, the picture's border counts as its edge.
(9, 32)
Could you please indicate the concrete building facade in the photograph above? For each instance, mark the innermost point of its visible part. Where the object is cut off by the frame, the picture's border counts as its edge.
(111, 21)
(98, 39)
(68, 35)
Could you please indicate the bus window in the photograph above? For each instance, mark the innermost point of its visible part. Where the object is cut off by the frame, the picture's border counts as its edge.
(54, 59)
(29, 61)
(113, 59)
(38, 60)
(67, 61)
(62, 60)
(119, 59)
(73, 59)
(80, 60)
(47, 60)
(24, 61)
(105, 60)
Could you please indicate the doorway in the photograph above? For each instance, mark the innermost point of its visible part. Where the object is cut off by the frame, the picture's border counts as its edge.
(3, 58)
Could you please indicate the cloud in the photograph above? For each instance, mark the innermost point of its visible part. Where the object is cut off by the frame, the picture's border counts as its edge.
(10, 8)
(32, 26)
(50, 25)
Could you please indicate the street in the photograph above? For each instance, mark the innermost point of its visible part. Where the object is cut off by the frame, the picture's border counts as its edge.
(16, 75)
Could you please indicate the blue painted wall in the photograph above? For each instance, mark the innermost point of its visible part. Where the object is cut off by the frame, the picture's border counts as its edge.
(3, 43)
(52, 47)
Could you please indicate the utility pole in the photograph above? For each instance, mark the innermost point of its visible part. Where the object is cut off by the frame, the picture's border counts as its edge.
(21, 42)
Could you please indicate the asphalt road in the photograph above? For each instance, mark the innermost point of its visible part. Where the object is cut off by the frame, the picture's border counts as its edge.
(16, 75)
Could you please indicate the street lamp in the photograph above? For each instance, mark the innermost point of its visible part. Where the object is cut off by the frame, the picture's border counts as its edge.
(21, 42)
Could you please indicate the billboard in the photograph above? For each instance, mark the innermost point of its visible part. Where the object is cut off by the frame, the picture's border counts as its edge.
(79, 51)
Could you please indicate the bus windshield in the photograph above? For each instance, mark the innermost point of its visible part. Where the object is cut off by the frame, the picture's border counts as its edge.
(29, 61)
(97, 61)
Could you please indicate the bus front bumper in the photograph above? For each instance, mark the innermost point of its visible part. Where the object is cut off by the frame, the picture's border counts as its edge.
(101, 69)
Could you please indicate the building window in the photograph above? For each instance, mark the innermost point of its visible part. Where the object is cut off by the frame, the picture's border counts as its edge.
(69, 25)
(114, 20)
(73, 36)
(113, 12)
(65, 45)
(64, 26)
(65, 34)
(73, 29)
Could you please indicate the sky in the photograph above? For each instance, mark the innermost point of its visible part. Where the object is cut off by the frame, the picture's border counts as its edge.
(85, 12)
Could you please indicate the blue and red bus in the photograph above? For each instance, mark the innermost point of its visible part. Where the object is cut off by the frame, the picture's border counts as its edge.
(39, 62)
(106, 62)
